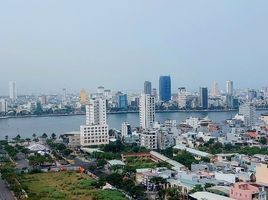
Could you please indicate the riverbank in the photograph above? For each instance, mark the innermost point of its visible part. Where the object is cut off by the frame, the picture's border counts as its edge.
(118, 112)
(127, 112)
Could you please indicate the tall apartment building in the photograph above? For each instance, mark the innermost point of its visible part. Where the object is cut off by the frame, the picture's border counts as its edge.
(182, 97)
(12, 90)
(125, 130)
(229, 87)
(147, 111)
(3, 106)
(203, 97)
(96, 131)
(147, 87)
(165, 88)
(248, 110)
(214, 91)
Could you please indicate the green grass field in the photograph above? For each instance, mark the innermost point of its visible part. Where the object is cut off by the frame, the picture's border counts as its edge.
(64, 185)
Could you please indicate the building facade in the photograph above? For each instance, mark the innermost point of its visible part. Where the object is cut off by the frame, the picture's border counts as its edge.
(203, 97)
(248, 110)
(96, 131)
(182, 98)
(165, 88)
(147, 111)
(12, 90)
(147, 87)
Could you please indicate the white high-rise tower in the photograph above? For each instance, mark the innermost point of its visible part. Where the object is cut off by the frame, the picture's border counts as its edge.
(147, 111)
(96, 131)
(12, 90)
(248, 110)
(182, 97)
(214, 91)
(229, 87)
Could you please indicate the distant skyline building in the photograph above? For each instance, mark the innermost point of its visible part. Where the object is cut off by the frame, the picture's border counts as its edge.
(12, 90)
(164, 88)
(203, 97)
(214, 91)
(182, 97)
(83, 97)
(248, 110)
(229, 87)
(147, 87)
(3, 106)
(154, 93)
(96, 131)
(122, 101)
(147, 111)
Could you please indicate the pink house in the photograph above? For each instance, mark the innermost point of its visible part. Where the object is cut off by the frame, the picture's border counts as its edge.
(245, 191)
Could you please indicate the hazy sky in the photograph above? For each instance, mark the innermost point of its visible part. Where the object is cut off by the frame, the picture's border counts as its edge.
(50, 44)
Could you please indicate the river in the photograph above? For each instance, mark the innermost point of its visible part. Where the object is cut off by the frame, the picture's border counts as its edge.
(61, 124)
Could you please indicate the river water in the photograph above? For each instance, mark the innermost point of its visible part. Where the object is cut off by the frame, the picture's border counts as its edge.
(61, 124)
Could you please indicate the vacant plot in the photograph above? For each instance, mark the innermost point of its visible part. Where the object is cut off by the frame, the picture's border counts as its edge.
(64, 185)
(137, 162)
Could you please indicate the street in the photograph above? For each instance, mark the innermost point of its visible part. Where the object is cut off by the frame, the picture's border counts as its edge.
(5, 194)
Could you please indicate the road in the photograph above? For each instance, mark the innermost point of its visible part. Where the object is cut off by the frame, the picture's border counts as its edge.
(5, 193)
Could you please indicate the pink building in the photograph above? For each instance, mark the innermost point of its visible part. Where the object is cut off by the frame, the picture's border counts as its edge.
(246, 191)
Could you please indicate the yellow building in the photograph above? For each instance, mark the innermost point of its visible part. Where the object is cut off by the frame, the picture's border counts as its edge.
(262, 173)
(83, 96)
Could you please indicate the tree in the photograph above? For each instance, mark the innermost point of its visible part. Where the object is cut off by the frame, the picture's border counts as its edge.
(17, 138)
(173, 194)
(28, 140)
(185, 158)
(44, 136)
(53, 136)
(6, 137)
(34, 135)
(263, 141)
(197, 188)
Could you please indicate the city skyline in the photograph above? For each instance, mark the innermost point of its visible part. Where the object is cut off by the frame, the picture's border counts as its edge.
(125, 43)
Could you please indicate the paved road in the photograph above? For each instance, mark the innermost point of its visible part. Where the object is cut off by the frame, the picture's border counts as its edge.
(5, 194)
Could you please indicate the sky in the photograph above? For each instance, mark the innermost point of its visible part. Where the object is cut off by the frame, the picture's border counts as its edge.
(53, 44)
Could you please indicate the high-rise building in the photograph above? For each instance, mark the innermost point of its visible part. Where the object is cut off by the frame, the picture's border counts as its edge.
(122, 101)
(182, 97)
(12, 90)
(3, 106)
(147, 111)
(248, 110)
(147, 87)
(43, 100)
(165, 88)
(214, 89)
(96, 112)
(83, 97)
(125, 130)
(203, 97)
(100, 90)
(64, 97)
(95, 132)
(229, 87)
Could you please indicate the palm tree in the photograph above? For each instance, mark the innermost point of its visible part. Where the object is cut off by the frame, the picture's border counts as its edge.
(17, 138)
(6, 137)
(44, 135)
(53, 136)
(28, 140)
(34, 135)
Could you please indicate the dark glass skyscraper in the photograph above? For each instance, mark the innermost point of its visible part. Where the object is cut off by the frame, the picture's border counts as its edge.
(164, 88)
(203, 97)
(147, 87)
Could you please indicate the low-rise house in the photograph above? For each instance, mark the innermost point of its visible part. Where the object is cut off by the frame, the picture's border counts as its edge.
(246, 191)
(207, 196)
